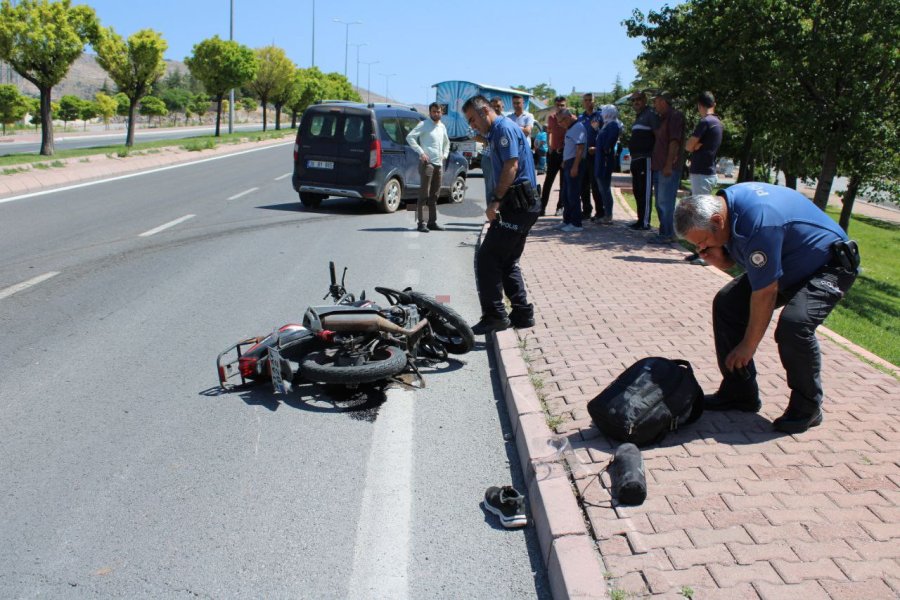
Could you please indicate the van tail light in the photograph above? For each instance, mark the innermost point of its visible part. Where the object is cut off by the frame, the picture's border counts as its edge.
(375, 154)
(296, 151)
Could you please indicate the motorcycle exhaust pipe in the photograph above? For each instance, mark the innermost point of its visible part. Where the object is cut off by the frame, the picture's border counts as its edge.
(368, 323)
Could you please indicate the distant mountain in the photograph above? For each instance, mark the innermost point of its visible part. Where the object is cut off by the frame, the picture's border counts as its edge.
(84, 79)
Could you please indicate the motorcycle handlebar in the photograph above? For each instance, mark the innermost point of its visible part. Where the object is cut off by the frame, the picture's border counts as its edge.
(331, 271)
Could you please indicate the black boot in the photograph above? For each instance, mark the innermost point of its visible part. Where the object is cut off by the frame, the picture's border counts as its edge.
(798, 420)
(488, 325)
(522, 317)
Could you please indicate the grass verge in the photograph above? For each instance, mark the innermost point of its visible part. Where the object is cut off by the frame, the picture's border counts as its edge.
(195, 142)
(870, 314)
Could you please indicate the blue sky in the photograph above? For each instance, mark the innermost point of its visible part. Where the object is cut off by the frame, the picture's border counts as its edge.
(579, 44)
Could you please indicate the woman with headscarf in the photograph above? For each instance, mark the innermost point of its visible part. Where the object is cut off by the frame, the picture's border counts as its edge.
(605, 157)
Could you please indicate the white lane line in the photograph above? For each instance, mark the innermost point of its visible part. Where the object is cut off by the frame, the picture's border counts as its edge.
(138, 174)
(381, 559)
(280, 177)
(244, 193)
(164, 226)
(26, 284)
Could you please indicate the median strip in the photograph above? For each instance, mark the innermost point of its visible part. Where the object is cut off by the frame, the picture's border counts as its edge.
(167, 225)
(244, 193)
(26, 284)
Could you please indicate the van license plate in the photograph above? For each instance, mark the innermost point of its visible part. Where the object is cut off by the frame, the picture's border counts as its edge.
(320, 164)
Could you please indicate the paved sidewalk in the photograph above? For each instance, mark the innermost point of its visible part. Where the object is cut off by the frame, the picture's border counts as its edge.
(734, 510)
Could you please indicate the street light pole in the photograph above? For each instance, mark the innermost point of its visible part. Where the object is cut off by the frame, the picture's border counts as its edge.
(387, 85)
(314, 33)
(369, 83)
(358, 46)
(347, 25)
(231, 91)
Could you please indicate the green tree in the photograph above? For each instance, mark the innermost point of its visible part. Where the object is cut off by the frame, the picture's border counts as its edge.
(69, 109)
(106, 107)
(89, 110)
(199, 105)
(40, 40)
(123, 104)
(176, 99)
(133, 65)
(13, 105)
(310, 85)
(248, 105)
(220, 66)
(338, 87)
(151, 106)
(275, 72)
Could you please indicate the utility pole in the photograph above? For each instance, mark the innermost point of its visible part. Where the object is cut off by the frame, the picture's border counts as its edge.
(358, 46)
(231, 91)
(369, 84)
(347, 25)
(387, 84)
(314, 33)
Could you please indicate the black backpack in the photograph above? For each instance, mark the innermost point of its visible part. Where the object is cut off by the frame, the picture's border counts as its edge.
(650, 398)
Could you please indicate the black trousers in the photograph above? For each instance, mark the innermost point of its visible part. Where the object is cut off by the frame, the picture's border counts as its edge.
(554, 163)
(497, 263)
(805, 307)
(590, 188)
(642, 188)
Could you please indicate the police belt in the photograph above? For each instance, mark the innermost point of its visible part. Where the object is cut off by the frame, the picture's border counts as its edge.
(845, 255)
(519, 197)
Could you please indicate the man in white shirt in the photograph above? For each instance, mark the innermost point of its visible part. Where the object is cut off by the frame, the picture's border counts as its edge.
(429, 138)
(523, 118)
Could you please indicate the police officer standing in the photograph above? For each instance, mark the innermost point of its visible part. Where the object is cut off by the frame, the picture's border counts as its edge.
(512, 210)
(795, 256)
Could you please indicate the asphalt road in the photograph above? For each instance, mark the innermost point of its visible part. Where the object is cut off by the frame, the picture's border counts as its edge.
(70, 141)
(127, 473)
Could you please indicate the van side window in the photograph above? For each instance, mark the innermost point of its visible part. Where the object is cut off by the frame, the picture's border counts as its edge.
(354, 127)
(392, 129)
(323, 126)
(407, 125)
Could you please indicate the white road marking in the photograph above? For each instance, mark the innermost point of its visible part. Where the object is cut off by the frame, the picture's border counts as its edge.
(381, 558)
(165, 226)
(137, 174)
(280, 177)
(244, 193)
(26, 284)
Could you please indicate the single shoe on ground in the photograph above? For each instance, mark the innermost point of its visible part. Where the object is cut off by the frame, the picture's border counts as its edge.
(797, 421)
(719, 401)
(435, 227)
(489, 324)
(606, 221)
(660, 239)
(423, 228)
(561, 225)
(639, 227)
(691, 257)
(508, 504)
(699, 261)
(522, 317)
(558, 212)
(571, 229)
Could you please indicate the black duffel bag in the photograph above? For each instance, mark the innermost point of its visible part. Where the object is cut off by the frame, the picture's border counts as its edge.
(650, 398)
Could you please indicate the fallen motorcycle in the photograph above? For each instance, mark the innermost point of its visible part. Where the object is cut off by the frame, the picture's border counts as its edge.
(351, 341)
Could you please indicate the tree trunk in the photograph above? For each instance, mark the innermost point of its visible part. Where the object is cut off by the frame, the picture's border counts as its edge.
(293, 119)
(790, 180)
(826, 178)
(263, 101)
(129, 137)
(848, 200)
(46, 123)
(277, 117)
(746, 171)
(218, 113)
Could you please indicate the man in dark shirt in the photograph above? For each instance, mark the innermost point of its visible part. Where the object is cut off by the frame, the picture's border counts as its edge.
(666, 164)
(641, 147)
(591, 120)
(704, 145)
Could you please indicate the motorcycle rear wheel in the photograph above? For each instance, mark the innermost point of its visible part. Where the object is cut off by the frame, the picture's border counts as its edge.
(448, 326)
(385, 362)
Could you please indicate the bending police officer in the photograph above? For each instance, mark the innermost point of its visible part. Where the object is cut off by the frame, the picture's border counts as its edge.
(512, 210)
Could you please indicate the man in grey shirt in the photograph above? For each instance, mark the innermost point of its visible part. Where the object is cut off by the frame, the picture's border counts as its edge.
(430, 140)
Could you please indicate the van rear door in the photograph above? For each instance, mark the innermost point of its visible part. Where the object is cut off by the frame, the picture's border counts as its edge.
(334, 145)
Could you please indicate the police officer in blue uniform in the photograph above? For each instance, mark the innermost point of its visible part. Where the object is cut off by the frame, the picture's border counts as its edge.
(795, 257)
(512, 210)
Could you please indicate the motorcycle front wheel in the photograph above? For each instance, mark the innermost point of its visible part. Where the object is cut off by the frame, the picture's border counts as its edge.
(448, 326)
(383, 363)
